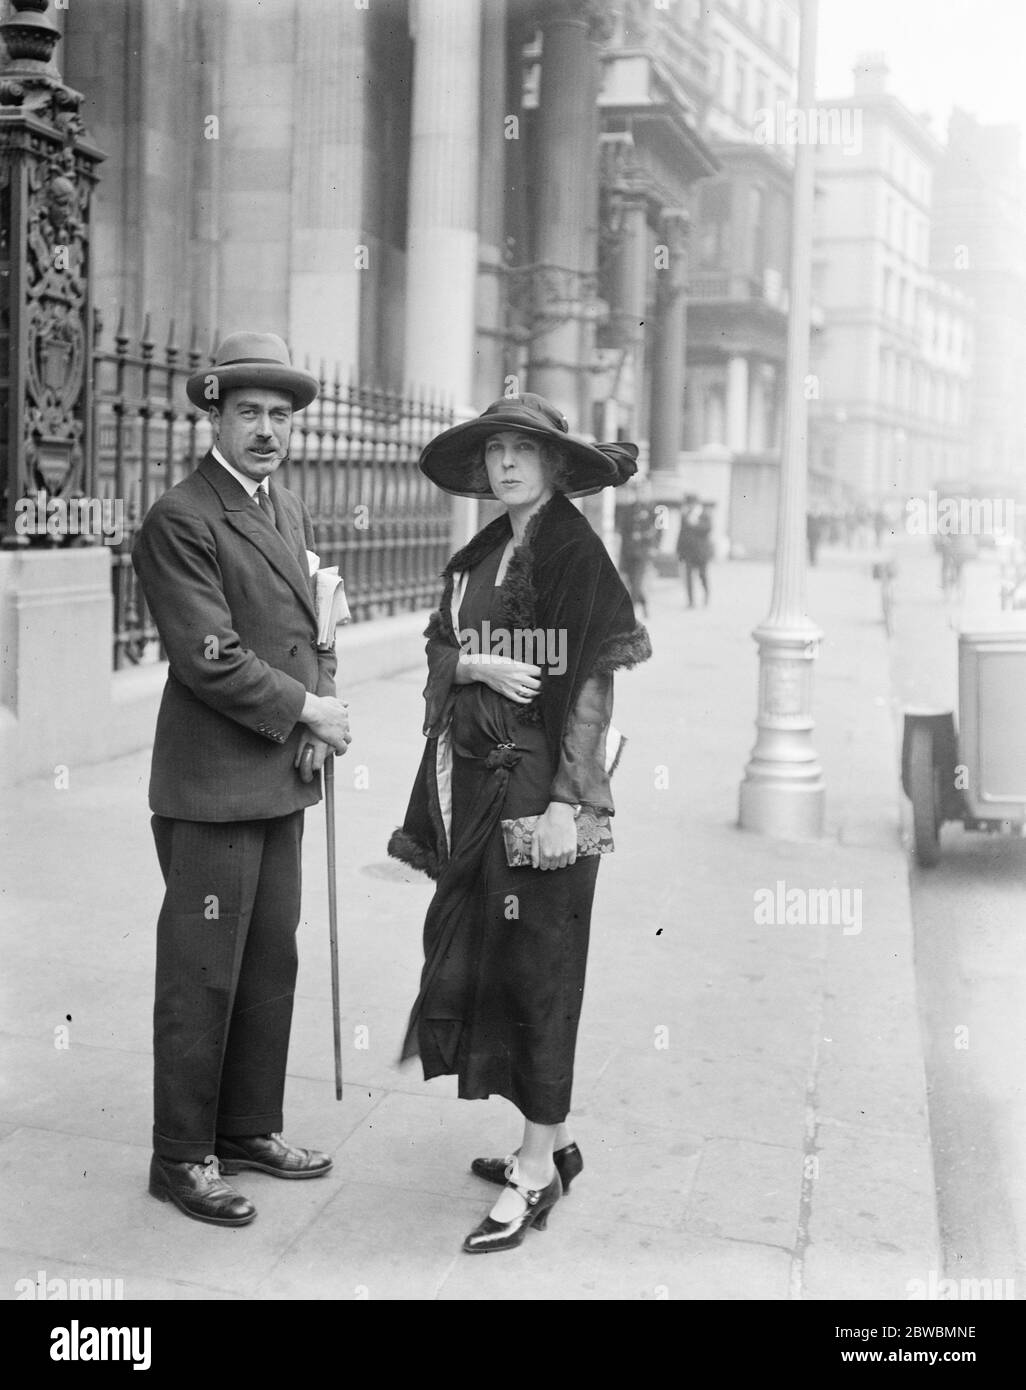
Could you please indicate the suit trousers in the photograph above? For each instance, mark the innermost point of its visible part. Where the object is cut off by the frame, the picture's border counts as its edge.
(226, 974)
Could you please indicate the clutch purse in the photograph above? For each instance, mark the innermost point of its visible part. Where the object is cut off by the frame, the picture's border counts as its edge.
(594, 836)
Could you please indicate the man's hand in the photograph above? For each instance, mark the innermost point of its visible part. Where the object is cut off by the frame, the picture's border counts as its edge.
(554, 844)
(328, 720)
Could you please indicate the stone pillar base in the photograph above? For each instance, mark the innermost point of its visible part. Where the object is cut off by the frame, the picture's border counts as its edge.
(783, 811)
(55, 660)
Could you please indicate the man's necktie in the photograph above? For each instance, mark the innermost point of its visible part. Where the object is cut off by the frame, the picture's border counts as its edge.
(267, 507)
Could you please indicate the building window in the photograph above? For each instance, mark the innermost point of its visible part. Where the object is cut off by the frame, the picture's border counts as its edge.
(740, 86)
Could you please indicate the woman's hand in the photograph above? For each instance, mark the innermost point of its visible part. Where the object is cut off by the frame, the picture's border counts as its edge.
(518, 681)
(554, 845)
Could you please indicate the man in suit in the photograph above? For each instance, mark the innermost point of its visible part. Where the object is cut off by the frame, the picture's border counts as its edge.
(222, 559)
(694, 547)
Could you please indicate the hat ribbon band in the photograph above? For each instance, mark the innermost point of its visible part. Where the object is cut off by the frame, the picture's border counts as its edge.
(243, 361)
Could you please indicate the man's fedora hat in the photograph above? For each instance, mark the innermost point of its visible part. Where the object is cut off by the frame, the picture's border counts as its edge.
(450, 459)
(251, 359)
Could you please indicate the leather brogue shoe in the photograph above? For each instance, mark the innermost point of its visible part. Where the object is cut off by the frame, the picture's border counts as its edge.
(199, 1190)
(268, 1153)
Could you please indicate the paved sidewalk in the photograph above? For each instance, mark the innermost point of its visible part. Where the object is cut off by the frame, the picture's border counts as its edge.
(749, 1098)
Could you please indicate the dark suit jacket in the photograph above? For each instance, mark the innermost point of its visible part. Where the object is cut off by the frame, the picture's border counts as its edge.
(233, 603)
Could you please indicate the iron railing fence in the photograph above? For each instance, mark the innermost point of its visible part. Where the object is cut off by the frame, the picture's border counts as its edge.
(353, 460)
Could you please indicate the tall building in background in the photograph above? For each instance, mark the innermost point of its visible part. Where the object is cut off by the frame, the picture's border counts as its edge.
(739, 265)
(979, 245)
(893, 363)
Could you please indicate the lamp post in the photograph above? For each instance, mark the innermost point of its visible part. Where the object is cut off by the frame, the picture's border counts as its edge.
(783, 792)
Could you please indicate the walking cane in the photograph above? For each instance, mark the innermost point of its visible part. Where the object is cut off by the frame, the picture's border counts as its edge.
(329, 816)
(306, 773)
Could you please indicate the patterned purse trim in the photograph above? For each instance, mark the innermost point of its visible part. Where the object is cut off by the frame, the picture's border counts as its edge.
(594, 836)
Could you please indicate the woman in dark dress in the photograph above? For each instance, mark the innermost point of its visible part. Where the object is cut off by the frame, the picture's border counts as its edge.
(534, 619)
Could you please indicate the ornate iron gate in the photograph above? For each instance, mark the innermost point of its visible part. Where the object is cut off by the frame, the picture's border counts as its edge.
(353, 459)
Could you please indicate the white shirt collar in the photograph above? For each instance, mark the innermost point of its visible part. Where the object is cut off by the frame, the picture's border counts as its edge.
(250, 484)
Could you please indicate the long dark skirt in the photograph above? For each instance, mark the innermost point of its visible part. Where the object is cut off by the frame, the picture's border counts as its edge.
(506, 949)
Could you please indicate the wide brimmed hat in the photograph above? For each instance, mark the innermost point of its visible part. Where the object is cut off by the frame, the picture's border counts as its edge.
(251, 359)
(450, 458)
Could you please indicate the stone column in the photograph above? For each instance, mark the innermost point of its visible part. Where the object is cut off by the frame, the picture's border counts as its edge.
(737, 404)
(631, 295)
(255, 135)
(327, 182)
(757, 441)
(203, 95)
(566, 174)
(489, 357)
(668, 360)
(441, 257)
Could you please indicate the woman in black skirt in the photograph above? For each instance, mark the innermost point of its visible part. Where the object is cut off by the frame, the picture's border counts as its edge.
(534, 619)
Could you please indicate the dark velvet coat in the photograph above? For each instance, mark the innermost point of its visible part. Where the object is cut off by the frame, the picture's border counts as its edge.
(560, 579)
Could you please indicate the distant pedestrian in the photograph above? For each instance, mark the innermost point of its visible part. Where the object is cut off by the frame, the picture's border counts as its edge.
(694, 546)
(955, 552)
(224, 563)
(813, 534)
(638, 539)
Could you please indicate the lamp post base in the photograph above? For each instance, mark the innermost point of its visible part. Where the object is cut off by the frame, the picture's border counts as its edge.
(785, 810)
(783, 793)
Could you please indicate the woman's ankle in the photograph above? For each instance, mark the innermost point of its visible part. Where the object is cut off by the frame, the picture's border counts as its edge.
(534, 1176)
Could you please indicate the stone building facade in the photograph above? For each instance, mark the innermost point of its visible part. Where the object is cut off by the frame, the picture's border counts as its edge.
(739, 271)
(894, 360)
(978, 246)
(440, 193)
